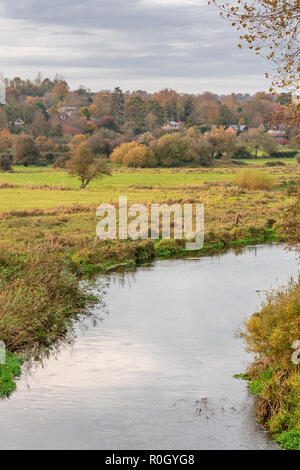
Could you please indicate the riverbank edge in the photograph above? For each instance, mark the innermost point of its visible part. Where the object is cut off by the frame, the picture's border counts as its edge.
(85, 263)
(273, 377)
(258, 381)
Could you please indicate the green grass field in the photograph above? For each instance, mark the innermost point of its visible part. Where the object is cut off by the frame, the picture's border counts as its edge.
(45, 188)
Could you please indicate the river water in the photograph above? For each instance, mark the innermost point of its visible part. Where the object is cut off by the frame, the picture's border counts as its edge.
(152, 366)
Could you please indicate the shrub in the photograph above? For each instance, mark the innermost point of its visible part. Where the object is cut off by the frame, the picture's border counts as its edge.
(100, 145)
(109, 122)
(172, 150)
(60, 162)
(285, 154)
(271, 332)
(134, 155)
(253, 179)
(49, 157)
(25, 150)
(278, 163)
(5, 163)
(298, 157)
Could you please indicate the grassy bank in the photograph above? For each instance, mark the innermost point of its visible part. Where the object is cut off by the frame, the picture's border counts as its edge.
(8, 372)
(47, 238)
(273, 378)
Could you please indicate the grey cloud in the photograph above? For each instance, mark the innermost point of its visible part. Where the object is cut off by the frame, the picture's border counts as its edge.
(129, 39)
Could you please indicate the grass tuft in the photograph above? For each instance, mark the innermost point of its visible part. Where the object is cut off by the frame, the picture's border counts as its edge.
(8, 372)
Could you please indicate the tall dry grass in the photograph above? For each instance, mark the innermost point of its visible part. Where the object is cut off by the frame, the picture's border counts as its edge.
(254, 180)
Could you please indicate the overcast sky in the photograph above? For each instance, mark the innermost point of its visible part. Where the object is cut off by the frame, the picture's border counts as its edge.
(135, 44)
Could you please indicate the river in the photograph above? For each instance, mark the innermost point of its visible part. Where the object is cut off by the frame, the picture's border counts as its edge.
(152, 366)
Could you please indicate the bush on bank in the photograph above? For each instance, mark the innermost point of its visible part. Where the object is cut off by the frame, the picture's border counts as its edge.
(274, 378)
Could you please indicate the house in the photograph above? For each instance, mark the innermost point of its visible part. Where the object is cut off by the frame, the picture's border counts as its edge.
(19, 122)
(236, 129)
(173, 125)
(66, 111)
(279, 135)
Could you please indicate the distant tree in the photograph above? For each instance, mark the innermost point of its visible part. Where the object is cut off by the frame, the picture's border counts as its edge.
(188, 107)
(44, 144)
(77, 140)
(268, 145)
(155, 115)
(61, 90)
(25, 150)
(85, 111)
(46, 85)
(208, 109)
(135, 111)
(5, 139)
(40, 106)
(134, 155)
(85, 166)
(82, 91)
(94, 110)
(172, 109)
(225, 116)
(254, 139)
(121, 151)
(117, 105)
(3, 118)
(198, 150)
(220, 142)
(171, 150)
(109, 122)
(5, 162)
(99, 144)
(60, 162)
(103, 103)
(12, 95)
(189, 122)
(39, 124)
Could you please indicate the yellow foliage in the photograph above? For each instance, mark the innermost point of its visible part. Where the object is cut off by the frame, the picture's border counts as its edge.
(253, 179)
(132, 154)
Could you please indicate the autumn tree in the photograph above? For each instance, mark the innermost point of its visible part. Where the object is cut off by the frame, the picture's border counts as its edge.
(269, 27)
(5, 162)
(254, 139)
(109, 122)
(99, 144)
(268, 145)
(25, 150)
(220, 142)
(61, 90)
(134, 155)
(85, 166)
(5, 139)
(39, 124)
